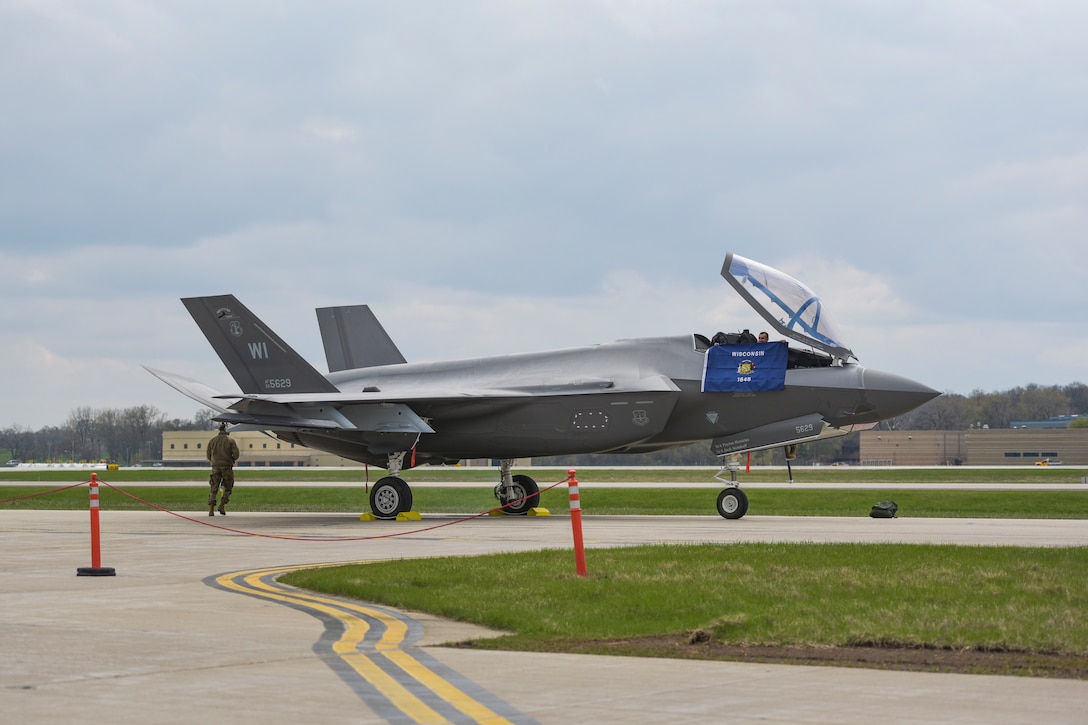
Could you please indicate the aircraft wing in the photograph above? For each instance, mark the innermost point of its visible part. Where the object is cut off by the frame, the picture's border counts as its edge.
(312, 411)
(379, 418)
(378, 411)
(424, 393)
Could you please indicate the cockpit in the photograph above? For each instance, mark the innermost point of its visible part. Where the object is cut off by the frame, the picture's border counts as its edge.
(797, 357)
(788, 306)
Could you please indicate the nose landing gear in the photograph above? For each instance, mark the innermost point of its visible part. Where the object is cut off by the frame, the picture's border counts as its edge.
(732, 502)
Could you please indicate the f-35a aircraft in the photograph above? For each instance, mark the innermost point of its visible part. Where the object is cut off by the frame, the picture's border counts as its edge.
(628, 396)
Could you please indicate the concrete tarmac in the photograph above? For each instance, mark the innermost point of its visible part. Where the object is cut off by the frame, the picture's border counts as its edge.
(157, 643)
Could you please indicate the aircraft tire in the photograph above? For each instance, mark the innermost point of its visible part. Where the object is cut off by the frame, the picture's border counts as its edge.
(732, 503)
(390, 496)
(524, 488)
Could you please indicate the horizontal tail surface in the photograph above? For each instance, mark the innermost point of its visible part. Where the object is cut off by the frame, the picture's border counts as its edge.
(195, 389)
(259, 361)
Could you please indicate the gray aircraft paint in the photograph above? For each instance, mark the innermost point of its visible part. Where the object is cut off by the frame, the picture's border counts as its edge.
(628, 396)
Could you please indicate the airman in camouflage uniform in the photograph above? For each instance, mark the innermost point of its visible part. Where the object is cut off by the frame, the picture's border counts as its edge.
(222, 453)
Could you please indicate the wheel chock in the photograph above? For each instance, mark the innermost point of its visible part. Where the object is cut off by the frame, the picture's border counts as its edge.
(402, 516)
(536, 511)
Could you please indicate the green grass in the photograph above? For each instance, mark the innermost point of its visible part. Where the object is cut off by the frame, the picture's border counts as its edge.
(1023, 600)
(951, 474)
(1029, 599)
(600, 501)
(837, 502)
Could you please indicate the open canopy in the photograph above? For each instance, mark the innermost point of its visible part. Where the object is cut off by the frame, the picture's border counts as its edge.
(788, 305)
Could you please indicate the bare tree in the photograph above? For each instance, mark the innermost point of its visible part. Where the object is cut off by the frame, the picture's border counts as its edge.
(107, 429)
(80, 425)
(17, 440)
(1039, 403)
(141, 432)
(1077, 394)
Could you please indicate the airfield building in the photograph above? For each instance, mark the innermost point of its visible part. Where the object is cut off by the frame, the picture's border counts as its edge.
(1021, 446)
(188, 449)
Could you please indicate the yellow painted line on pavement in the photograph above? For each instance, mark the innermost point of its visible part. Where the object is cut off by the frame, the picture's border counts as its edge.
(349, 647)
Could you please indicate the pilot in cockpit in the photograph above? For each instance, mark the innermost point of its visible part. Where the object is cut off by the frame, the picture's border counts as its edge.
(721, 338)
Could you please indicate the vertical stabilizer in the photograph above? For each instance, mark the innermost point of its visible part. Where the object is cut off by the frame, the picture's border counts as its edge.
(256, 357)
(354, 338)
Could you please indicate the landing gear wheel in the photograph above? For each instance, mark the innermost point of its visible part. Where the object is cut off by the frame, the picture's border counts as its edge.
(390, 496)
(518, 498)
(732, 503)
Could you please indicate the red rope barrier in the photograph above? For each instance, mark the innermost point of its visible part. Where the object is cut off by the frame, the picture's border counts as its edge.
(96, 540)
(319, 538)
(41, 493)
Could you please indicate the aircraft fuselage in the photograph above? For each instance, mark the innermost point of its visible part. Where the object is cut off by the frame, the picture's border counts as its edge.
(629, 396)
(626, 396)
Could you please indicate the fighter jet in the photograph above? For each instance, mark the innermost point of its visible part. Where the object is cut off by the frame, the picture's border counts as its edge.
(628, 396)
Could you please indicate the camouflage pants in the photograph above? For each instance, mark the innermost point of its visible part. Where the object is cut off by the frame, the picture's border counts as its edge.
(221, 476)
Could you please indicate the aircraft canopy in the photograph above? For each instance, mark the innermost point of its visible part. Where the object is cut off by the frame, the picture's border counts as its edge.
(788, 305)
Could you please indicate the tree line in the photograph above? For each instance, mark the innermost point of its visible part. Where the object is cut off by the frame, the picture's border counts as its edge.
(996, 410)
(134, 435)
(125, 436)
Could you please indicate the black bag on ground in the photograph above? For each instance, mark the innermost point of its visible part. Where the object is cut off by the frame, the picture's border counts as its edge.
(884, 510)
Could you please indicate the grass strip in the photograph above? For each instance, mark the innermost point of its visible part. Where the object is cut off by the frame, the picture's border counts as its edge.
(601, 501)
(845, 474)
(935, 597)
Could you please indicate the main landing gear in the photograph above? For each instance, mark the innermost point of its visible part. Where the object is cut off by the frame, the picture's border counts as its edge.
(732, 502)
(516, 494)
(392, 495)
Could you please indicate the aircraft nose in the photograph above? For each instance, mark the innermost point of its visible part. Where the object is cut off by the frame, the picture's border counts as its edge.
(891, 395)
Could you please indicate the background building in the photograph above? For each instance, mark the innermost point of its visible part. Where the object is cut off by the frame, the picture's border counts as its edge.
(980, 447)
(188, 448)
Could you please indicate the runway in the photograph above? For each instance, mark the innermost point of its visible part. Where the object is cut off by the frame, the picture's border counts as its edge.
(168, 640)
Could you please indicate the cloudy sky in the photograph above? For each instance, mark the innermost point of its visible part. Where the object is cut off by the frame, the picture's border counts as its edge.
(509, 176)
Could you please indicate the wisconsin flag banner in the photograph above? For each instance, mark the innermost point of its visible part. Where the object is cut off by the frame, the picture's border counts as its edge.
(748, 367)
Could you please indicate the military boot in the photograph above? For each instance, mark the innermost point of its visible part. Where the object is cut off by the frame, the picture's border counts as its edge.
(211, 509)
(223, 509)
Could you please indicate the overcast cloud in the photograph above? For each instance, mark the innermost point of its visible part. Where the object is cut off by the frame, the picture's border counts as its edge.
(502, 176)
